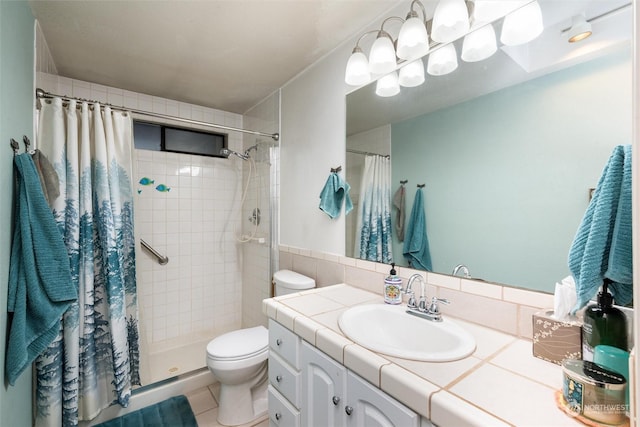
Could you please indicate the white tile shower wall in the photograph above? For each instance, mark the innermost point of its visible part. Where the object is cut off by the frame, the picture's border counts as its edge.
(198, 293)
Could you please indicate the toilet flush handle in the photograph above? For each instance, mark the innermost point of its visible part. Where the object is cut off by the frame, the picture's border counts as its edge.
(278, 342)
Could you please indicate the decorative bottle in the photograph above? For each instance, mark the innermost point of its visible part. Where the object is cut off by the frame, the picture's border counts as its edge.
(392, 287)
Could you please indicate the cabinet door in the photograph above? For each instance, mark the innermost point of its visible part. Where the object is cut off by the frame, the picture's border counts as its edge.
(371, 407)
(323, 389)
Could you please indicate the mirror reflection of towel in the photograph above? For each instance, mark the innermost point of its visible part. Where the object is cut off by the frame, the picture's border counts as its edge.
(335, 191)
(416, 244)
(400, 203)
(602, 247)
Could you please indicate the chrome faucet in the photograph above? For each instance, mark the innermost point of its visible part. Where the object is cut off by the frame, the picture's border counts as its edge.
(464, 269)
(411, 303)
(430, 312)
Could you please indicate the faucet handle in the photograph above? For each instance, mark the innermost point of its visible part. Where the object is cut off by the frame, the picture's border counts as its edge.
(433, 308)
(411, 303)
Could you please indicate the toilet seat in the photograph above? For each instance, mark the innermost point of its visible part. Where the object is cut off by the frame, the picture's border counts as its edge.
(239, 345)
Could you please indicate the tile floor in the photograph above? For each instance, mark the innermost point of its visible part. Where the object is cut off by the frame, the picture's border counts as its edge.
(205, 407)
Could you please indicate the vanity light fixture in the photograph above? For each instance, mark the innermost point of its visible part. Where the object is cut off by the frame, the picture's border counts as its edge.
(450, 22)
(580, 29)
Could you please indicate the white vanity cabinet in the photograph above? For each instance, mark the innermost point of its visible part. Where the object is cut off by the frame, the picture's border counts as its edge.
(333, 396)
(284, 377)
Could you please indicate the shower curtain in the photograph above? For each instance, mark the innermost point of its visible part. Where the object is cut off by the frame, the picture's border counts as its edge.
(94, 360)
(373, 224)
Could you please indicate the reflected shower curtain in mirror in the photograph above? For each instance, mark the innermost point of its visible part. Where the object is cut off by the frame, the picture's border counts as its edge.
(373, 223)
(94, 360)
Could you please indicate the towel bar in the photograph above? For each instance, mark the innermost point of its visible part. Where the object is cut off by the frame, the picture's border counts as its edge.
(162, 260)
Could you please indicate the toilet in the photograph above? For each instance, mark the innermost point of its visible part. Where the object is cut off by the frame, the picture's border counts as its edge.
(238, 360)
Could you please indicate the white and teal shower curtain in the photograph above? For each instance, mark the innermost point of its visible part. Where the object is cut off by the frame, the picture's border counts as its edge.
(94, 360)
(373, 224)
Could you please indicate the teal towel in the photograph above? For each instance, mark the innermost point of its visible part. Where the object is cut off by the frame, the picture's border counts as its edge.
(416, 243)
(173, 412)
(335, 191)
(40, 288)
(602, 245)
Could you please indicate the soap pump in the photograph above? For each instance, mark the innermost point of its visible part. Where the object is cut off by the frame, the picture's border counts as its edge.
(393, 287)
(603, 324)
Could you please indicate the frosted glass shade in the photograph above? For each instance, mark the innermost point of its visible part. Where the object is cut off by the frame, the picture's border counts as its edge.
(388, 85)
(522, 25)
(413, 40)
(442, 61)
(485, 11)
(357, 72)
(450, 21)
(412, 74)
(382, 57)
(479, 45)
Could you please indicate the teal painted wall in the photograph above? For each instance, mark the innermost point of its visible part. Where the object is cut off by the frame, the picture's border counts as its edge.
(507, 174)
(16, 119)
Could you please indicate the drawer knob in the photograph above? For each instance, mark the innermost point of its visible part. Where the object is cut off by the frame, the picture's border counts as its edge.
(279, 378)
(336, 400)
(278, 416)
(278, 342)
(348, 410)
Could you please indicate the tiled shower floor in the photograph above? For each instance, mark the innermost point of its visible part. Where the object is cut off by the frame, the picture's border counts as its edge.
(205, 407)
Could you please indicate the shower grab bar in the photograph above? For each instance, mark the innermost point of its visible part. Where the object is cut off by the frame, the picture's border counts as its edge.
(162, 260)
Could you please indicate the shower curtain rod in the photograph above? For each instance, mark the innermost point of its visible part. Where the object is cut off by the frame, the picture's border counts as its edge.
(366, 153)
(48, 95)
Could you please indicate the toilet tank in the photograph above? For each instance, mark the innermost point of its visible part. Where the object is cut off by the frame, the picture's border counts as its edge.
(288, 282)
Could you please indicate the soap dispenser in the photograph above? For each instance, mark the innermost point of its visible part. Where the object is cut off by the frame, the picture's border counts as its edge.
(393, 287)
(603, 324)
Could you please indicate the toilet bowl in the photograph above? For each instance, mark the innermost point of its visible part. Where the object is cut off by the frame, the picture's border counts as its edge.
(238, 360)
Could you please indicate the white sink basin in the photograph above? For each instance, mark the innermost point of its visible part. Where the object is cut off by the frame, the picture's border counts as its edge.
(390, 330)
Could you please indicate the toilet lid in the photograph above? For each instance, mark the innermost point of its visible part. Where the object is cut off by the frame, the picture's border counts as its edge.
(239, 344)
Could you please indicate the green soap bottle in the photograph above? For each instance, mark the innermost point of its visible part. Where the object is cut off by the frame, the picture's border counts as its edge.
(603, 324)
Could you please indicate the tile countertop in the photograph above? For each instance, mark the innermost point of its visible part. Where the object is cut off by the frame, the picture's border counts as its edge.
(500, 384)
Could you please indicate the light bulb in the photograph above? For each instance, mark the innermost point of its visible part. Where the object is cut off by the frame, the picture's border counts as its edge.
(522, 25)
(442, 61)
(357, 72)
(382, 57)
(479, 45)
(388, 85)
(412, 74)
(413, 40)
(450, 21)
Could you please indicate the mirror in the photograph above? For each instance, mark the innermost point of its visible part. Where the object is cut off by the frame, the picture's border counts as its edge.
(508, 148)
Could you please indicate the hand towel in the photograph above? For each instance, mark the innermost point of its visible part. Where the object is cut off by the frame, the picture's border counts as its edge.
(40, 287)
(602, 245)
(335, 191)
(416, 243)
(400, 204)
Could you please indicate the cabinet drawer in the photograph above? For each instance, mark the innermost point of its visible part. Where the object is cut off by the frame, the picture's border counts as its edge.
(284, 343)
(284, 379)
(281, 413)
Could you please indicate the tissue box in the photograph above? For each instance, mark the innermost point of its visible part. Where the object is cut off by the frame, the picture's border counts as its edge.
(554, 340)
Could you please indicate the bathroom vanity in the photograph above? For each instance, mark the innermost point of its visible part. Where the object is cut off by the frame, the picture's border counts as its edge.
(319, 377)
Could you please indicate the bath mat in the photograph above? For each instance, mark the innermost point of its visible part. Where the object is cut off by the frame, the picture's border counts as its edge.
(173, 412)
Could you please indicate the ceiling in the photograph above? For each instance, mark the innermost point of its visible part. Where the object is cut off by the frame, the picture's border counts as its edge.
(223, 54)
